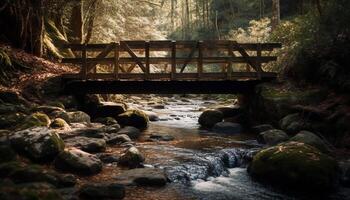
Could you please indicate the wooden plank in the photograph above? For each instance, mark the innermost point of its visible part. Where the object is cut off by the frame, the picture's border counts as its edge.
(258, 62)
(126, 47)
(147, 55)
(167, 76)
(166, 45)
(173, 59)
(245, 55)
(190, 57)
(103, 54)
(84, 63)
(116, 60)
(200, 59)
(165, 60)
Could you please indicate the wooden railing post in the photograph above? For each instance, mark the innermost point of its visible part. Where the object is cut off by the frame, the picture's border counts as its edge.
(173, 60)
(116, 60)
(84, 64)
(200, 59)
(258, 61)
(147, 55)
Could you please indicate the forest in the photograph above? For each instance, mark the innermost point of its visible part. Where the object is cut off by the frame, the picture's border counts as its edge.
(174, 99)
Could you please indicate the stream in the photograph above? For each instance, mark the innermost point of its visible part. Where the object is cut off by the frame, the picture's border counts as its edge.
(201, 164)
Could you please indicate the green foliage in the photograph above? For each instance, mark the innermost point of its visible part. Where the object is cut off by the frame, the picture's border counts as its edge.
(316, 47)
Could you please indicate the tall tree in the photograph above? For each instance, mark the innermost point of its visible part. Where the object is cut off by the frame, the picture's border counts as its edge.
(276, 15)
(77, 22)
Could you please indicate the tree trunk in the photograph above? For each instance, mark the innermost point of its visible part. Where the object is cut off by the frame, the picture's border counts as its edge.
(90, 23)
(276, 15)
(77, 22)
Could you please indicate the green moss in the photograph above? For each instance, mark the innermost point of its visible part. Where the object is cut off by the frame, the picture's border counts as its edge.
(59, 123)
(295, 164)
(35, 120)
(54, 39)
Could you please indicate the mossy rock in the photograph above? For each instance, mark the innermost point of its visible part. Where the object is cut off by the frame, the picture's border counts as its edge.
(59, 124)
(311, 139)
(57, 104)
(295, 165)
(39, 144)
(78, 117)
(34, 120)
(135, 118)
(131, 158)
(48, 109)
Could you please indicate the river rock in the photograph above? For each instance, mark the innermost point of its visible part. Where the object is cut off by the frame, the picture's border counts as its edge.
(229, 111)
(7, 153)
(90, 145)
(159, 106)
(130, 131)
(48, 109)
(272, 137)
(227, 128)
(209, 118)
(261, 128)
(34, 120)
(102, 191)
(311, 139)
(131, 158)
(39, 144)
(78, 117)
(143, 177)
(107, 157)
(118, 139)
(152, 116)
(79, 162)
(109, 109)
(135, 118)
(295, 165)
(59, 123)
(108, 121)
(293, 123)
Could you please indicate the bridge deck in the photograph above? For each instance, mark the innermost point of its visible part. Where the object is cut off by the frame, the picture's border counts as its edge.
(134, 66)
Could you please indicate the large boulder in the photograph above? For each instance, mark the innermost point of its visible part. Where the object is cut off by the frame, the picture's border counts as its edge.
(102, 191)
(78, 117)
(118, 139)
(130, 131)
(296, 166)
(135, 118)
(311, 139)
(229, 111)
(272, 137)
(143, 177)
(78, 162)
(152, 116)
(39, 144)
(34, 120)
(90, 145)
(131, 158)
(109, 109)
(227, 128)
(209, 118)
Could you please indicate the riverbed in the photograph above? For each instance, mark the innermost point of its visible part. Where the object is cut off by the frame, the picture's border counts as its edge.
(200, 164)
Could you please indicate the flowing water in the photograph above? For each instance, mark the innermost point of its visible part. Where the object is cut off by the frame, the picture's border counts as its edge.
(202, 164)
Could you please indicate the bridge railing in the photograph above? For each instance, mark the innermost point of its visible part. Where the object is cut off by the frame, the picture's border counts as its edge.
(141, 54)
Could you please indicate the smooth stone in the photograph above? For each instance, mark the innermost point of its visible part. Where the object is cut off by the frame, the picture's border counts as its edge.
(109, 109)
(311, 139)
(90, 145)
(152, 116)
(209, 118)
(161, 137)
(78, 117)
(135, 118)
(118, 139)
(78, 162)
(107, 157)
(131, 158)
(261, 128)
(130, 131)
(229, 111)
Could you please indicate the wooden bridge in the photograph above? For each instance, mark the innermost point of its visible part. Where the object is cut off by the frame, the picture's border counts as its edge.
(169, 67)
